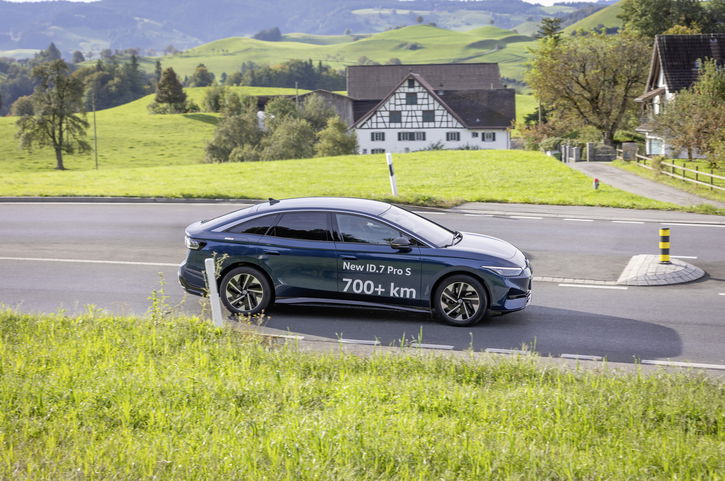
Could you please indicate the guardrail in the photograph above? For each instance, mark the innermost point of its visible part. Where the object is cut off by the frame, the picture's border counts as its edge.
(669, 168)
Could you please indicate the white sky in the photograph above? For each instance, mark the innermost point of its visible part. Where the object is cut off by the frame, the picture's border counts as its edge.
(541, 2)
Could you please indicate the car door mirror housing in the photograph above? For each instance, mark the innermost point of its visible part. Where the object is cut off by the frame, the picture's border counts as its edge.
(401, 243)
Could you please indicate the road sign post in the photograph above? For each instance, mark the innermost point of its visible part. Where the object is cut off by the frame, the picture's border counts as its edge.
(216, 309)
(393, 183)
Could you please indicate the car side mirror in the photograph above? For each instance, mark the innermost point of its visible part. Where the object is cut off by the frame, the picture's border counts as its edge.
(401, 244)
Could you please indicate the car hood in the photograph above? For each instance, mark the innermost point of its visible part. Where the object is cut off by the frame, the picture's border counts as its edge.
(488, 246)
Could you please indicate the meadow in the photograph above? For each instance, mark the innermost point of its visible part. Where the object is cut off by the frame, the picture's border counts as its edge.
(413, 44)
(97, 397)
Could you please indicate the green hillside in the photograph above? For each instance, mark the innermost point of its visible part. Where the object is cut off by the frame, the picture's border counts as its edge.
(606, 16)
(415, 44)
(129, 136)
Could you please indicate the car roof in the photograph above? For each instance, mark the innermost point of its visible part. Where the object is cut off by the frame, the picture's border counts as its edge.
(365, 206)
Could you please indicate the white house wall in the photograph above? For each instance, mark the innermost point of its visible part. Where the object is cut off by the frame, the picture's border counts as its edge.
(411, 120)
(433, 136)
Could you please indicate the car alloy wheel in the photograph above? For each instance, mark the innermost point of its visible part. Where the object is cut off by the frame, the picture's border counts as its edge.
(246, 291)
(460, 300)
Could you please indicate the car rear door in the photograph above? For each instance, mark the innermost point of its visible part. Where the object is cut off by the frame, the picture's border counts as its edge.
(300, 254)
(369, 269)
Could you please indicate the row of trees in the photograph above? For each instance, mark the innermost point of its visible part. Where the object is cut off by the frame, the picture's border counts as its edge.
(286, 130)
(293, 73)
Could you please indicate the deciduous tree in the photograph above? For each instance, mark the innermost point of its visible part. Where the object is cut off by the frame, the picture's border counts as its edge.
(57, 120)
(335, 139)
(592, 79)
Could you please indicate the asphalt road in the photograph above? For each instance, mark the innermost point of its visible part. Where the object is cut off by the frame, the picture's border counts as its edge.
(65, 256)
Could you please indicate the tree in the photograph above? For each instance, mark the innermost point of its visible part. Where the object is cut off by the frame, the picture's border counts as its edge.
(57, 102)
(78, 57)
(592, 79)
(293, 138)
(316, 111)
(233, 134)
(270, 35)
(22, 106)
(550, 27)
(335, 139)
(653, 17)
(695, 118)
(169, 91)
(201, 77)
(277, 110)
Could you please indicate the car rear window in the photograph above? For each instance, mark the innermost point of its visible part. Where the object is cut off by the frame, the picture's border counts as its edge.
(259, 225)
(313, 226)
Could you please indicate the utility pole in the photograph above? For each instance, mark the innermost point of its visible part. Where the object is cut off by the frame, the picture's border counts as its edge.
(95, 131)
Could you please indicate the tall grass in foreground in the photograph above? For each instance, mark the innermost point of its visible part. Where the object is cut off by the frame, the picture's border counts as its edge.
(96, 397)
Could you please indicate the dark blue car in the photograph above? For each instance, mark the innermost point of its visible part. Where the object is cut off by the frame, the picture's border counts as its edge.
(354, 251)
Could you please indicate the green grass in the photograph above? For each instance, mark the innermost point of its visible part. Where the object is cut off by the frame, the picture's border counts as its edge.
(606, 16)
(438, 46)
(129, 136)
(433, 177)
(97, 398)
(525, 104)
(691, 187)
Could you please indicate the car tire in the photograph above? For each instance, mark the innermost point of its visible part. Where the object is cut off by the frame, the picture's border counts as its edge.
(245, 291)
(460, 300)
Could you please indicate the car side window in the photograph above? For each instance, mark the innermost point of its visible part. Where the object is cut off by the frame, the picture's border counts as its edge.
(259, 226)
(355, 228)
(303, 225)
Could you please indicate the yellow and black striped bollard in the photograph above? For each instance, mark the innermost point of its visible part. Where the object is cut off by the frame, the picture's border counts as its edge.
(665, 245)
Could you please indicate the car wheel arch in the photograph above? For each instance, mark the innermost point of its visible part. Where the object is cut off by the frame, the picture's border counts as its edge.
(457, 272)
(234, 265)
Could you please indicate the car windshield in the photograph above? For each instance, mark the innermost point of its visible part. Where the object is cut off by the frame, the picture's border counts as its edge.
(420, 226)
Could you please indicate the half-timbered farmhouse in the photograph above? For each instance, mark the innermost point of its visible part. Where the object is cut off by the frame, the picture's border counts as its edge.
(403, 108)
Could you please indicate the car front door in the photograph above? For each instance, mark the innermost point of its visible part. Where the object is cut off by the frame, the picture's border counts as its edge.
(369, 269)
(300, 254)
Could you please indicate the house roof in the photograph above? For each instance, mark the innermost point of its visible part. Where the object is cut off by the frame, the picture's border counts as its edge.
(366, 82)
(677, 56)
(473, 108)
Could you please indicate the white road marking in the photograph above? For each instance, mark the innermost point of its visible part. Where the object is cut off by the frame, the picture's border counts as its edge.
(425, 212)
(431, 346)
(581, 357)
(588, 286)
(693, 225)
(360, 341)
(525, 217)
(684, 364)
(721, 294)
(684, 257)
(580, 220)
(284, 336)
(479, 215)
(627, 222)
(89, 261)
(493, 350)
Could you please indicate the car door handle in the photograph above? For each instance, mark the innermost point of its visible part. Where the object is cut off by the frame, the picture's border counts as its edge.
(271, 252)
(349, 258)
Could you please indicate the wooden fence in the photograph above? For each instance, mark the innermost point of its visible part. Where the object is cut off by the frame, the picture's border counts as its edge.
(669, 168)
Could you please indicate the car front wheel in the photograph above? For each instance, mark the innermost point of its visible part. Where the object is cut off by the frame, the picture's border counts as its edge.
(460, 300)
(245, 291)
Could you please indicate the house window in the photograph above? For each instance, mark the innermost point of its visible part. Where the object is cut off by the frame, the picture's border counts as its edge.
(411, 98)
(411, 83)
(489, 137)
(395, 117)
(377, 151)
(411, 136)
(377, 136)
(474, 134)
(455, 136)
(428, 116)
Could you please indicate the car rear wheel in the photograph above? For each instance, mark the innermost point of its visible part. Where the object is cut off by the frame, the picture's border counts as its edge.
(245, 291)
(460, 300)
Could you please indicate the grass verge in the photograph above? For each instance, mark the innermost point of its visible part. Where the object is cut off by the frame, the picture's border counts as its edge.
(96, 397)
(440, 178)
(690, 187)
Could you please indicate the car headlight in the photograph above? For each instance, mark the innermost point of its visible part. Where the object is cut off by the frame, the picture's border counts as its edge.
(505, 271)
(193, 243)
